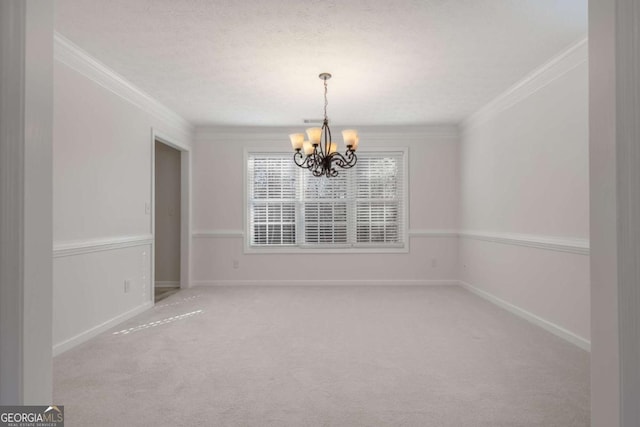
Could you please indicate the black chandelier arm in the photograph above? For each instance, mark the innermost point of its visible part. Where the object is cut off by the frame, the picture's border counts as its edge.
(347, 161)
(331, 172)
(314, 162)
(326, 132)
(315, 159)
(350, 155)
(306, 162)
(317, 172)
(320, 165)
(299, 159)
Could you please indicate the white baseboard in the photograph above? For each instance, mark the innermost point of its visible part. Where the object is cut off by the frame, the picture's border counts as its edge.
(88, 334)
(536, 320)
(545, 324)
(302, 282)
(167, 284)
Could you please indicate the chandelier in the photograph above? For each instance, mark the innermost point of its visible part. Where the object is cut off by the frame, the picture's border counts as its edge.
(319, 153)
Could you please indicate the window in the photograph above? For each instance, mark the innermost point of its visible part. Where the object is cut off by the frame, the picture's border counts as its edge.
(362, 208)
(272, 189)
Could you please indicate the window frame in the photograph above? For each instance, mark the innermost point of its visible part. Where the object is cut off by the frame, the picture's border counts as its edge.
(319, 248)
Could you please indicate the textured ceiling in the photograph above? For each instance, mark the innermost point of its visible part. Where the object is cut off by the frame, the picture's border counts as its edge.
(251, 62)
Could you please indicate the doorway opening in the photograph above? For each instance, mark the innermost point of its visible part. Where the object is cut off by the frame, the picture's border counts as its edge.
(167, 220)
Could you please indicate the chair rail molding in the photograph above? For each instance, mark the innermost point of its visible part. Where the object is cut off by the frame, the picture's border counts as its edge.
(413, 232)
(211, 234)
(574, 245)
(79, 247)
(553, 243)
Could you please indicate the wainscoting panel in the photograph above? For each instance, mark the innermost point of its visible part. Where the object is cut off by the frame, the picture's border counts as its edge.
(219, 258)
(549, 287)
(96, 288)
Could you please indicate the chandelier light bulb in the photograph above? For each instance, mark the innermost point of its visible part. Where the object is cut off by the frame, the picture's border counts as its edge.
(307, 148)
(349, 136)
(315, 135)
(296, 140)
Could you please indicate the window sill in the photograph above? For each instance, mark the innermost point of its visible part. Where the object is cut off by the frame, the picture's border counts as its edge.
(257, 250)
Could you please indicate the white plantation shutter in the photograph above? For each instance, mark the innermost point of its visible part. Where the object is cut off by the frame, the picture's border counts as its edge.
(324, 206)
(379, 200)
(361, 207)
(272, 200)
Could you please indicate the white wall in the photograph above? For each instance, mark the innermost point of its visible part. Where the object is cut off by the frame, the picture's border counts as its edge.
(218, 212)
(102, 140)
(26, 62)
(605, 353)
(525, 197)
(167, 220)
(614, 118)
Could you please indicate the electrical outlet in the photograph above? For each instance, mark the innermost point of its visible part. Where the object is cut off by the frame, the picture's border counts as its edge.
(236, 264)
(127, 286)
(434, 262)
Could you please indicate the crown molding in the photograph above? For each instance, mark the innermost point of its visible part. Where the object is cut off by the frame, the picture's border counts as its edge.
(267, 134)
(541, 77)
(77, 59)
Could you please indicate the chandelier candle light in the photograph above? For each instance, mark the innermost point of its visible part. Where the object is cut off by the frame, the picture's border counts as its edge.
(319, 153)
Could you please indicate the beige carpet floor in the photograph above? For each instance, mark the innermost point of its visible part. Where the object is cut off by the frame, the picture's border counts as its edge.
(324, 356)
(162, 293)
